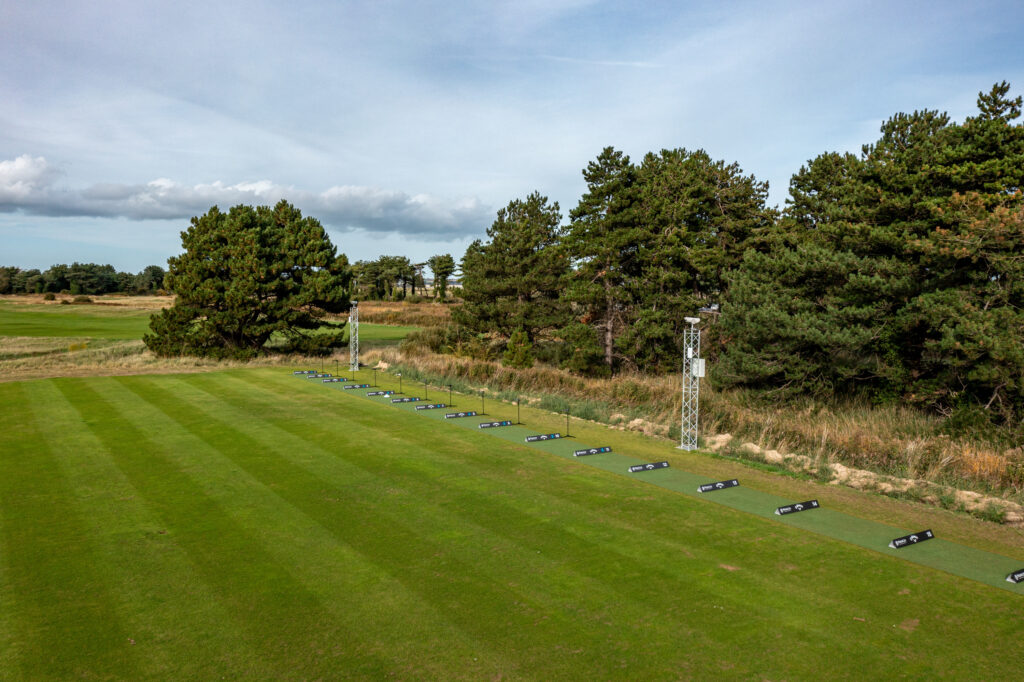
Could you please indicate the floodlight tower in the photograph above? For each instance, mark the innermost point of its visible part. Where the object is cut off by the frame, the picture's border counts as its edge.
(693, 370)
(353, 337)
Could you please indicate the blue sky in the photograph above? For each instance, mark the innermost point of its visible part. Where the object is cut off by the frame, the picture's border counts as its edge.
(404, 126)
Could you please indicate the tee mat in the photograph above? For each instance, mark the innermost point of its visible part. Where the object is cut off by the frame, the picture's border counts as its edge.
(985, 567)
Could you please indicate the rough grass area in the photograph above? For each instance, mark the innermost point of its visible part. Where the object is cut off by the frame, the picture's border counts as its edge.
(248, 524)
(402, 313)
(890, 440)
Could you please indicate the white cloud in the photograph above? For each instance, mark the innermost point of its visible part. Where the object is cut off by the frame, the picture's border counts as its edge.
(24, 176)
(27, 186)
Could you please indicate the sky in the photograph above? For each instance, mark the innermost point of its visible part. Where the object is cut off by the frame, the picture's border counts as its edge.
(404, 126)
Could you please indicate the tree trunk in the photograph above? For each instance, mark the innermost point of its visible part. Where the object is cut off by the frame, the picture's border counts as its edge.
(609, 327)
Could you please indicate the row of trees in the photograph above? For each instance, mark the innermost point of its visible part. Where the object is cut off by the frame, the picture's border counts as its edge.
(81, 278)
(647, 246)
(393, 278)
(896, 272)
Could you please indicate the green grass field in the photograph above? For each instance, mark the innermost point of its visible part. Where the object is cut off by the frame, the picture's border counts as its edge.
(112, 322)
(248, 524)
(100, 322)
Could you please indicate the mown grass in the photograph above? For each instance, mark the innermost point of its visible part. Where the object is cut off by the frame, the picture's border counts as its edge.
(92, 321)
(893, 440)
(44, 340)
(247, 524)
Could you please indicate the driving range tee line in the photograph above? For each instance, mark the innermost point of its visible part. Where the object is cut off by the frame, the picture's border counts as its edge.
(981, 566)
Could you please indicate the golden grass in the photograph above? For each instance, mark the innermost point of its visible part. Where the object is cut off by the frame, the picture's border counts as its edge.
(118, 300)
(407, 314)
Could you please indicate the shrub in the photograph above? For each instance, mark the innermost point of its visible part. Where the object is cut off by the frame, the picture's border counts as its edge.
(49, 296)
(519, 352)
(82, 299)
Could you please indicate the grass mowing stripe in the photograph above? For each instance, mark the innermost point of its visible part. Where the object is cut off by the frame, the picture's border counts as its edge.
(60, 592)
(157, 586)
(279, 465)
(569, 548)
(549, 482)
(837, 567)
(632, 575)
(475, 501)
(11, 646)
(382, 520)
(264, 599)
(783, 604)
(985, 567)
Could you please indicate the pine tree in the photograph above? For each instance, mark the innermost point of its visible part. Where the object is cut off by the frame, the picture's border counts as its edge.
(246, 275)
(603, 239)
(513, 282)
(442, 266)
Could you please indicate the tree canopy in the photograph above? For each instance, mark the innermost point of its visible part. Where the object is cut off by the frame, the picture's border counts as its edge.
(891, 273)
(513, 282)
(247, 275)
(442, 266)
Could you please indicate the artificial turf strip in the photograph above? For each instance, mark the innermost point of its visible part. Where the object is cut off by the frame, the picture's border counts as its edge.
(226, 525)
(985, 567)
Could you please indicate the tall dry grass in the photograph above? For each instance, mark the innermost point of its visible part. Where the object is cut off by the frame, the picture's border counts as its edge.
(404, 313)
(892, 440)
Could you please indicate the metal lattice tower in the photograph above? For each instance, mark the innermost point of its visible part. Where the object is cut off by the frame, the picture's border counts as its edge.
(353, 337)
(693, 370)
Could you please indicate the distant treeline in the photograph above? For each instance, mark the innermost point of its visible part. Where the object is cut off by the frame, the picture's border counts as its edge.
(81, 278)
(896, 273)
(394, 278)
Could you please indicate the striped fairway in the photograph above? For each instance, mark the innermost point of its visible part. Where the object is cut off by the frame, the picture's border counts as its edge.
(247, 524)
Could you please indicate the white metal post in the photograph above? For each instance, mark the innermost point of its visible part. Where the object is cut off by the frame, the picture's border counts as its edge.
(693, 370)
(353, 337)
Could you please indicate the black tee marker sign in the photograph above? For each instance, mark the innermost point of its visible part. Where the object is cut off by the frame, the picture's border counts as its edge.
(648, 467)
(356, 386)
(491, 425)
(405, 400)
(435, 406)
(543, 436)
(911, 539)
(798, 507)
(457, 415)
(1016, 576)
(590, 451)
(380, 393)
(720, 485)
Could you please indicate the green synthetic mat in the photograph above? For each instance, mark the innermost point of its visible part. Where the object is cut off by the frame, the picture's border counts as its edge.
(984, 567)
